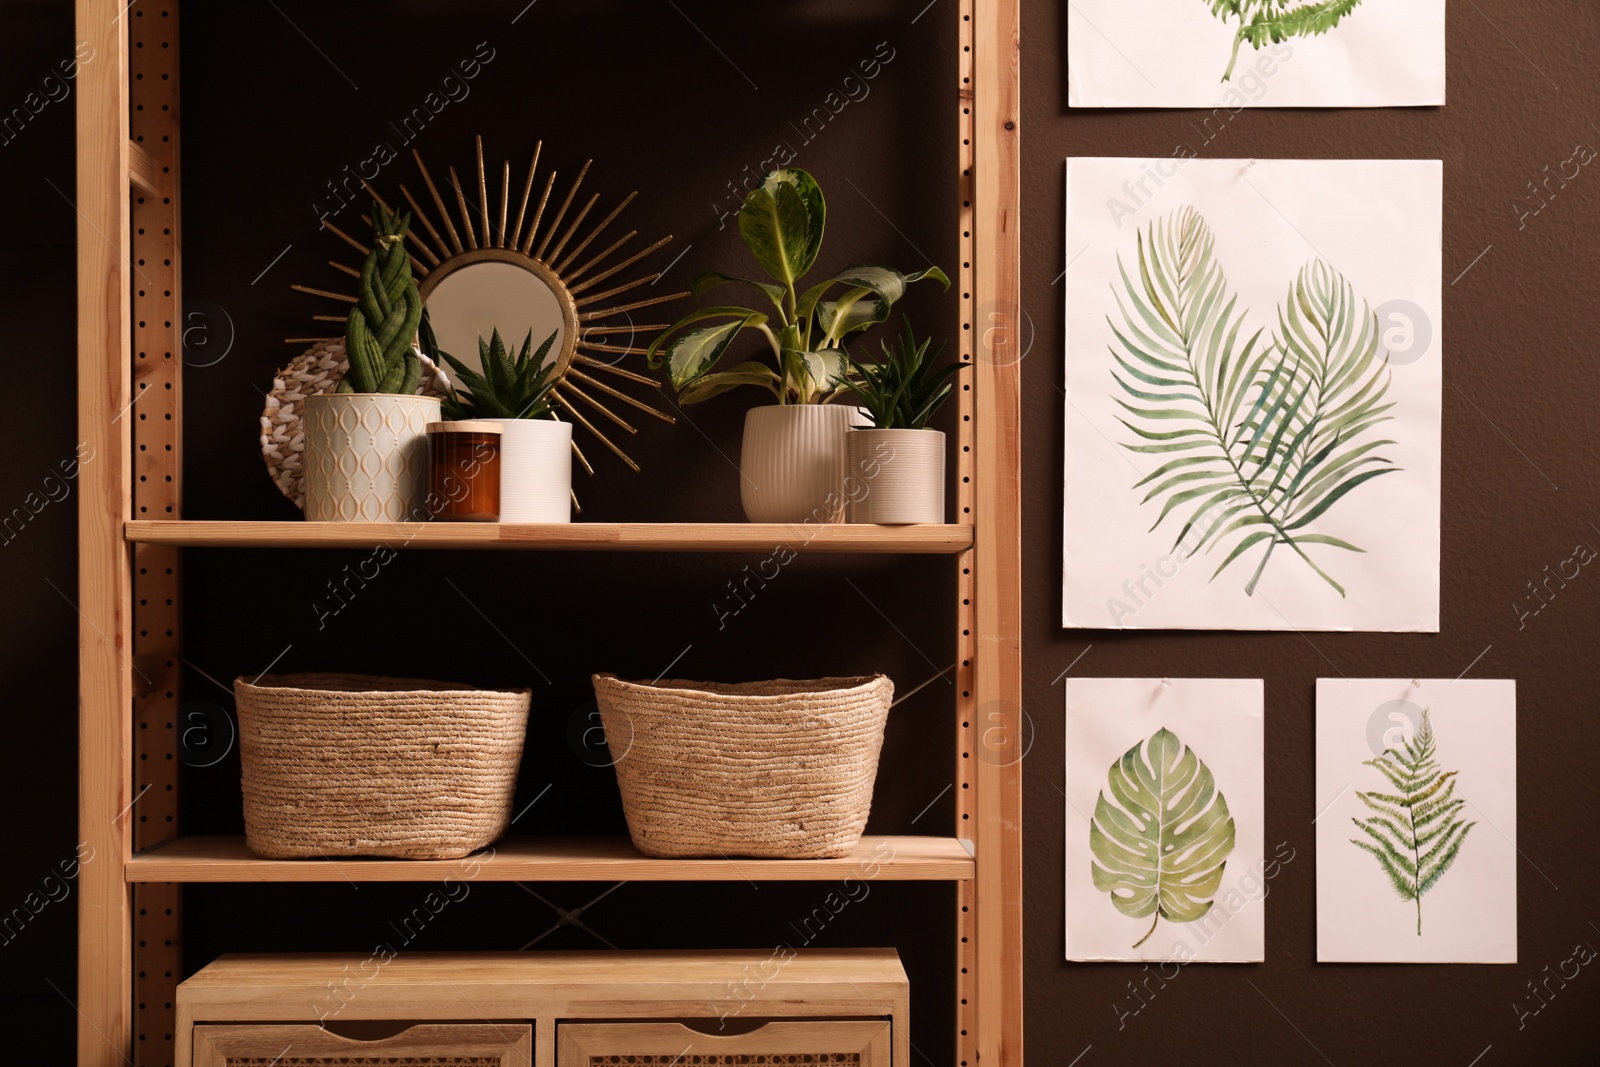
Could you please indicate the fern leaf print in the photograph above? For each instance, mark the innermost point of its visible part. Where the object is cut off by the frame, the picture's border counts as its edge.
(1264, 22)
(1415, 833)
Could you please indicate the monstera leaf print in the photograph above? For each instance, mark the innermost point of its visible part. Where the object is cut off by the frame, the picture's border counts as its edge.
(1258, 439)
(1162, 840)
(1264, 21)
(1416, 832)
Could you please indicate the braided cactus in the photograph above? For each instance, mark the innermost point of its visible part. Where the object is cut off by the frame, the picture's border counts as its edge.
(380, 336)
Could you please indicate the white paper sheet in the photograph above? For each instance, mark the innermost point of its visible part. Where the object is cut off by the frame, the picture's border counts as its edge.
(1219, 721)
(1377, 225)
(1174, 53)
(1469, 913)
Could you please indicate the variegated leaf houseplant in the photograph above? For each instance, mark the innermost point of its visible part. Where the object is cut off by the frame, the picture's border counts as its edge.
(793, 466)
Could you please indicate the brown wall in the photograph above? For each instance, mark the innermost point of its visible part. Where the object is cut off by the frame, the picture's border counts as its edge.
(38, 628)
(1518, 494)
(636, 86)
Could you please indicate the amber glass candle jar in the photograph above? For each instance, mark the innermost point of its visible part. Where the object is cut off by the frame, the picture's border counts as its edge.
(464, 471)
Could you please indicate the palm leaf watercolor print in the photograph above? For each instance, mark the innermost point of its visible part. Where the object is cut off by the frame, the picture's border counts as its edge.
(1259, 437)
(1161, 848)
(1264, 21)
(1416, 832)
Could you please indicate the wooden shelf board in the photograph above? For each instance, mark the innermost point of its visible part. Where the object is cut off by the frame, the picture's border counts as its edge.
(554, 859)
(573, 537)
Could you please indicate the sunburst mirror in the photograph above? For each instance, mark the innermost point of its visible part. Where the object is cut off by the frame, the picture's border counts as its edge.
(519, 263)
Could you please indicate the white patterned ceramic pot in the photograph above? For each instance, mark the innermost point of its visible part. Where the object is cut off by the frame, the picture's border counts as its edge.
(897, 475)
(535, 470)
(367, 456)
(793, 465)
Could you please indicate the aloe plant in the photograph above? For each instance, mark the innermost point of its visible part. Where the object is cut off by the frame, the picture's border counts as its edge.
(1415, 833)
(380, 334)
(1267, 436)
(902, 391)
(508, 388)
(781, 223)
(1263, 21)
(1161, 849)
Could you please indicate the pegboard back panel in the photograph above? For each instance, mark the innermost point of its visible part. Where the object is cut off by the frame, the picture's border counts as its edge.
(154, 419)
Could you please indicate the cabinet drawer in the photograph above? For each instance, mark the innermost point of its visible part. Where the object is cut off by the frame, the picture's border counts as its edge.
(819, 1043)
(424, 1045)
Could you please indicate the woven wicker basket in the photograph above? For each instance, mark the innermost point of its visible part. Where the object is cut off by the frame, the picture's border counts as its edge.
(348, 765)
(773, 769)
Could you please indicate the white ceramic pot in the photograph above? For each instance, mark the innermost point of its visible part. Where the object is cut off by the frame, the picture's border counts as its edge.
(897, 475)
(793, 464)
(367, 456)
(535, 470)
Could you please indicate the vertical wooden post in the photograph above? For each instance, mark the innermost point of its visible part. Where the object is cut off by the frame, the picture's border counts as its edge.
(105, 699)
(1000, 745)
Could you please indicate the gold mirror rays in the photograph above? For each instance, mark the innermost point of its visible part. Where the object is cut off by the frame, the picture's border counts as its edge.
(582, 269)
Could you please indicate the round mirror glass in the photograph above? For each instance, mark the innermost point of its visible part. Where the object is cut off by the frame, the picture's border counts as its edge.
(475, 299)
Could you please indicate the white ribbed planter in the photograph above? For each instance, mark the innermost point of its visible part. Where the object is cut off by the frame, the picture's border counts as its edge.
(535, 470)
(793, 464)
(367, 456)
(901, 475)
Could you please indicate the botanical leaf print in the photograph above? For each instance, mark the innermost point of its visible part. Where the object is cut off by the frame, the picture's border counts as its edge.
(1266, 436)
(1263, 21)
(1161, 848)
(1415, 833)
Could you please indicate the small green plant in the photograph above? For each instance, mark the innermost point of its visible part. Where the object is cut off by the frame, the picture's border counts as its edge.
(380, 334)
(1416, 832)
(508, 388)
(1263, 21)
(781, 223)
(903, 391)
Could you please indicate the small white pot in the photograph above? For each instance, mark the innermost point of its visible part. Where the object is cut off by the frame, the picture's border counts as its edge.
(793, 464)
(367, 456)
(535, 470)
(898, 475)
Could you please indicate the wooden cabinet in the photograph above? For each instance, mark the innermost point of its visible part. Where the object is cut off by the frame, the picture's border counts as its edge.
(427, 1045)
(549, 1009)
(820, 1043)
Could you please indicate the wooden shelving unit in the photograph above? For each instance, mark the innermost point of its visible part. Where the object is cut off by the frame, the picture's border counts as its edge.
(132, 536)
(554, 859)
(574, 537)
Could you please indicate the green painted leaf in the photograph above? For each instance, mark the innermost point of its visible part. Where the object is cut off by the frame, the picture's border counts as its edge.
(1269, 21)
(1277, 429)
(1304, 20)
(1252, 539)
(1415, 833)
(1161, 841)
